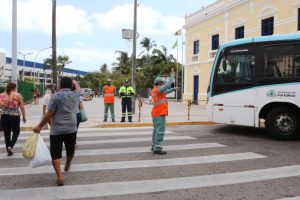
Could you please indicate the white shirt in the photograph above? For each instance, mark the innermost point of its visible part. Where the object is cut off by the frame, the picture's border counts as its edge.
(47, 98)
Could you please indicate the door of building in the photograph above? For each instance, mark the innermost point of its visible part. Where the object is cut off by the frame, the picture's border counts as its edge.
(196, 89)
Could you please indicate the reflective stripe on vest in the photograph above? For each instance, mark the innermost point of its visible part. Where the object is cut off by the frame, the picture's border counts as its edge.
(160, 102)
(109, 95)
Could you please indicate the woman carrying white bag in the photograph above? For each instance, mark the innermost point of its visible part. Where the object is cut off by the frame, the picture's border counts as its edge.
(62, 110)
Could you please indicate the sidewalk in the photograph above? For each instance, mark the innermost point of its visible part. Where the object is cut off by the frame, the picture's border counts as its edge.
(178, 114)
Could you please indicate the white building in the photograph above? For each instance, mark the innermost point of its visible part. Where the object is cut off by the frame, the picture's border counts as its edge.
(32, 70)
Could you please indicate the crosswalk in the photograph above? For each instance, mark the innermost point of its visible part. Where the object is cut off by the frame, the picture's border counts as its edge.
(129, 149)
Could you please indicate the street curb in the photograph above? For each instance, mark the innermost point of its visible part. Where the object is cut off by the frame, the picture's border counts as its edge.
(118, 125)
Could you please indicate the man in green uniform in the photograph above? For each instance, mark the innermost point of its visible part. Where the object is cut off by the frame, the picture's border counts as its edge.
(160, 111)
(126, 91)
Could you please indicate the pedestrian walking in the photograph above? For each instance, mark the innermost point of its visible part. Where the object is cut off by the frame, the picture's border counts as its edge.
(62, 109)
(11, 103)
(36, 95)
(126, 91)
(46, 101)
(109, 100)
(160, 111)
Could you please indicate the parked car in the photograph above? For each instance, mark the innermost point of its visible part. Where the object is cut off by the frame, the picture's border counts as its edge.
(86, 93)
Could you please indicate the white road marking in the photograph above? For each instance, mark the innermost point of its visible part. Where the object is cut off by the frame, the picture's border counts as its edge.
(101, 129)
(134, 164)
(126, 140)
(291, 198)
(101, 134)
(93, 152)
(147, 186)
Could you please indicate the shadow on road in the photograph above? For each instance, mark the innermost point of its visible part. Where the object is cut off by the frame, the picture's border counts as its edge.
(244, 131)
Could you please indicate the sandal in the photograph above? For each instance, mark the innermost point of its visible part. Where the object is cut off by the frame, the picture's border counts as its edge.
(59, 182)
(67, 167)
(9, 151)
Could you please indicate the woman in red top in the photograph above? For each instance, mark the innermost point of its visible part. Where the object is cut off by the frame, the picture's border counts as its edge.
(11, 103)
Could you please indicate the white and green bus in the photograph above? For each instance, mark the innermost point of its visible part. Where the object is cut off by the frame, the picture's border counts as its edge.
(256, 82)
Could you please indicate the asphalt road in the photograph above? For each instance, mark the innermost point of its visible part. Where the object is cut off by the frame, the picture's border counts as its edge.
(203, 162)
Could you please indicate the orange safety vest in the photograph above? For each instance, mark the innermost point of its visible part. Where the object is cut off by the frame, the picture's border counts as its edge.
(160, 103)
(109, 96)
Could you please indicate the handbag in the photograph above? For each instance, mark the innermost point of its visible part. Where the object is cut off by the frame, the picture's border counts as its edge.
(83, 115)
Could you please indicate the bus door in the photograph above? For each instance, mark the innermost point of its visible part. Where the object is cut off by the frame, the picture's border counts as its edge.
(233, 98)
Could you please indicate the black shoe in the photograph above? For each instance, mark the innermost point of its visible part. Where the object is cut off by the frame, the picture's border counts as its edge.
(123, 119)
(105, 120)
(160, 152)
(129, 119)
(113, 120)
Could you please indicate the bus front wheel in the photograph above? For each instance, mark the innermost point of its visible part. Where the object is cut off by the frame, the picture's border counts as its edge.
(283, 123)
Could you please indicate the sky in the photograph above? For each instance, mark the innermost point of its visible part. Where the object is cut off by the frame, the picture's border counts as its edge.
(90, 31)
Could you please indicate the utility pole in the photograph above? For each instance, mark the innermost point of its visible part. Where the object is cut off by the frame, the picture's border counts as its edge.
(54, 67)
(134, 54)
(14, 42)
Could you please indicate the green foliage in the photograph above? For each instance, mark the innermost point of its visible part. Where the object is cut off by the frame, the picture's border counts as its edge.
(26, 90)
(149, 65)
(2, 89)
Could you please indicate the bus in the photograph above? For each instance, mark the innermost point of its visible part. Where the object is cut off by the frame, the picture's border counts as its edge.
(256, 82)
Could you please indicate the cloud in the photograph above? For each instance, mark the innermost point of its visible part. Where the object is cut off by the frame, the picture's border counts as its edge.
(36, 15)
(83, 57)
(150, 21)
(3, 50)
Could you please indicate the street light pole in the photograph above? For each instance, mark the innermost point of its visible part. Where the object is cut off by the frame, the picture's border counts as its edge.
(35, 62)
(24, 55)
(134, 53)
(14, 42)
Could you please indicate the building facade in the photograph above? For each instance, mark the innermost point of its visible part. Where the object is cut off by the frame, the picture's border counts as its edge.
(227, 20)
(32, 70)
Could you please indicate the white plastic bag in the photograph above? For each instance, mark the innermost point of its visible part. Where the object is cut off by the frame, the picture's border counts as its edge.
(42, 155)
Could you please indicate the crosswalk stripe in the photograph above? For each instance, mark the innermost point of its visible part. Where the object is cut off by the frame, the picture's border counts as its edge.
(100, 134)
(135, 164)
(101, 129)
(93, 152)
(291, 198)
(147, 186)
(126, 140)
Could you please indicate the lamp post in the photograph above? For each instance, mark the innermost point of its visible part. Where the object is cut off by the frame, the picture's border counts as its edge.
(24, 55)
(35, 62)
(14, 42)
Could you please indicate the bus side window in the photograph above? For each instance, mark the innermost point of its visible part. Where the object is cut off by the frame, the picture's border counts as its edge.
(282, 61)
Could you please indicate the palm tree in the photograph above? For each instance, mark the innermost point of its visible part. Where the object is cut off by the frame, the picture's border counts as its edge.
(62, 62)
(124, 63)
(147, 44)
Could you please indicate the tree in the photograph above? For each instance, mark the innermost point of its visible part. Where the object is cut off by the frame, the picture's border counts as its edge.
(147, 44)
(123, 63)
(62, 61)
(104, 68)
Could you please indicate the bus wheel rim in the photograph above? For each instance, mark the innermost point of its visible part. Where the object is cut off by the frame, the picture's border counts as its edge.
(284, 123)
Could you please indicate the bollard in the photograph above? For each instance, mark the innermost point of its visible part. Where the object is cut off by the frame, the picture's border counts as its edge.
(189, 108)
(140, 108)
